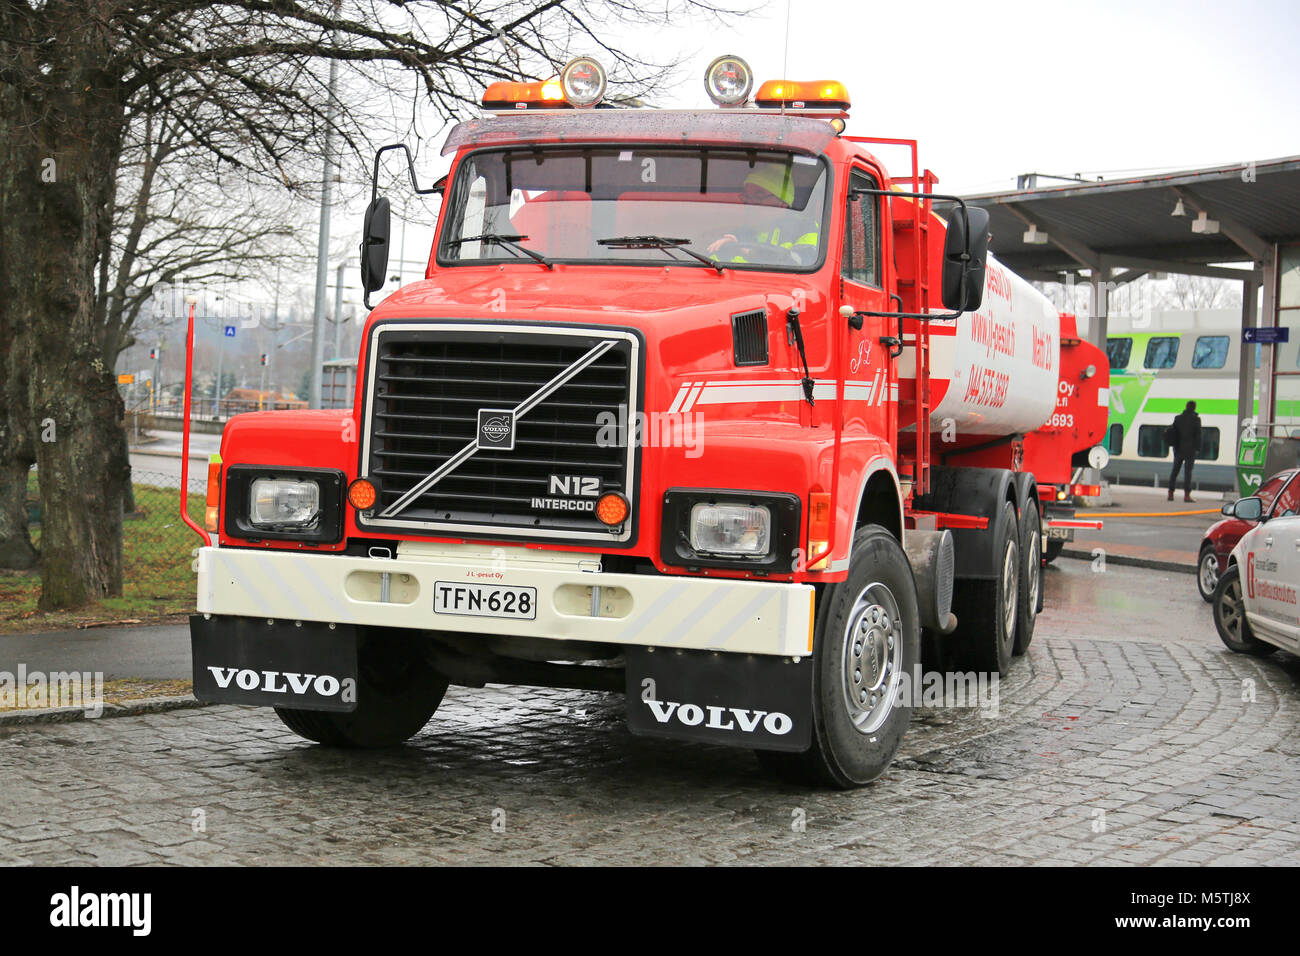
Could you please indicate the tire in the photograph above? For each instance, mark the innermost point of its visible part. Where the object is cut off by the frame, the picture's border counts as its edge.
(1230, 617)
(397, 693)
(854, 743)
(1031, 577)
(1053, 550)
(1207, 572)
(988, 610)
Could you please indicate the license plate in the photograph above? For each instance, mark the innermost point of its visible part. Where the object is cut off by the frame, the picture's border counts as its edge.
(1060, 534)
(484, 600)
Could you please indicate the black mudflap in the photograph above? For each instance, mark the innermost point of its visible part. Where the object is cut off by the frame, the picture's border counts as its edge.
(245, 660)
(739, 700)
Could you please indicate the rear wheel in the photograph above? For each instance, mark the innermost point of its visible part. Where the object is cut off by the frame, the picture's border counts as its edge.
(866, 643)
(1207, 572)
(1031, 577)
(1230, 617)
(988, 610)
(1053, 551)
(397, 693)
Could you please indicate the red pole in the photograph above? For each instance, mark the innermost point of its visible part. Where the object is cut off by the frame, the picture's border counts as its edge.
(185, 432)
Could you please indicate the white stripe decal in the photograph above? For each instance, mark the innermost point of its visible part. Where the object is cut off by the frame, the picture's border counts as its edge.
(681, 395)
(731, 392)
(751, 394)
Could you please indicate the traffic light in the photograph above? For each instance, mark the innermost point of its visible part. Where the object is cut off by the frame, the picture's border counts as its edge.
(264, 358)
(153, 355)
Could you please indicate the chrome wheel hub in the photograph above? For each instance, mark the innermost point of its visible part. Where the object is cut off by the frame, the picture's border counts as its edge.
(1209, 572)
(1034, 564)
(1010, 590)
(872, 662)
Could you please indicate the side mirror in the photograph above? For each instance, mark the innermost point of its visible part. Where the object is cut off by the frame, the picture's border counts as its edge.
(1248, 509)
(1228, 510)
(965, 253)
(374, 246)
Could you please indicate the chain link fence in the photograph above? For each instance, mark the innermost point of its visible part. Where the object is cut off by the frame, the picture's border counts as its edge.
(157, 551)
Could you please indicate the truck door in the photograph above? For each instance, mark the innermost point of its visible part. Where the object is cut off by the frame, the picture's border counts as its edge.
(870, 378)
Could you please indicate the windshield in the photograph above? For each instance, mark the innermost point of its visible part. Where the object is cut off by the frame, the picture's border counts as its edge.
(736, 207)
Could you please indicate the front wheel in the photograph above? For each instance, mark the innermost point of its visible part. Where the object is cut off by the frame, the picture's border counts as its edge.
(1207, 573)
(866, 644)
(1230, 617)
(397, 693)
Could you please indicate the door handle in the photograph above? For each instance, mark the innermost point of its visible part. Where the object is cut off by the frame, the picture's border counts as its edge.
(1268, 542)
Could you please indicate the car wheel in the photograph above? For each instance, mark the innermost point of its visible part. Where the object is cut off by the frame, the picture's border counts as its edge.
(866, 643)
(1207, 573)
(1230, 617)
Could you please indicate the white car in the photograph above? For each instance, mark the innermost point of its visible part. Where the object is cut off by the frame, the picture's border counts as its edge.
(1255, 602)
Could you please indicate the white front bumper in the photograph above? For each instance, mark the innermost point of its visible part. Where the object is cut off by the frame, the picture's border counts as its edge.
(716, 614)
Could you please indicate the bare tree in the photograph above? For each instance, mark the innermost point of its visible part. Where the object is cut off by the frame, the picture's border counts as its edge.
(1200, 292)
(244, 81)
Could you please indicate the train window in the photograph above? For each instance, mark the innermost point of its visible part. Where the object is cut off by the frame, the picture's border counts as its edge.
(1209, 449)
(1151, 441)
(1118, 351)
(1115, 439)
(1162, 352)
(1211, 351)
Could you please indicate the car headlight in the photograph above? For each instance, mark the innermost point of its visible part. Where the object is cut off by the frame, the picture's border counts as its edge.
(731, 529)
(282, 503)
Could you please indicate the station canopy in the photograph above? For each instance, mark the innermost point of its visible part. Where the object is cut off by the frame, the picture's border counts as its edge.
(1148, 223)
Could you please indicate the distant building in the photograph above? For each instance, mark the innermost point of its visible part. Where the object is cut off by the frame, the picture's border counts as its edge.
(239, 400)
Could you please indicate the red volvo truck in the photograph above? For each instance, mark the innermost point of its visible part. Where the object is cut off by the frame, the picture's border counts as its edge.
(705, 407)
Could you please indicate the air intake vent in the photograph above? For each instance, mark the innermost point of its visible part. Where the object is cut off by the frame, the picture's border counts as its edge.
(749, 337)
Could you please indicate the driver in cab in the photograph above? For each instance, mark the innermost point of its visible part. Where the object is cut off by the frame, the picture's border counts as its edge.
(771, 231)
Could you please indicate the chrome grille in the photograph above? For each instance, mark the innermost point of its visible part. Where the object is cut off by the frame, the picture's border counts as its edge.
(427, 385)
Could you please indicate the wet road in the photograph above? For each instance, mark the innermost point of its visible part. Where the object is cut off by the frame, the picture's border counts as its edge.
(1126, 735)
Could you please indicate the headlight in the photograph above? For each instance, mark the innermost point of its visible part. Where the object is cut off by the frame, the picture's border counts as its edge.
(266, 503)
(282, 503)
(757, 531)
(731, 529)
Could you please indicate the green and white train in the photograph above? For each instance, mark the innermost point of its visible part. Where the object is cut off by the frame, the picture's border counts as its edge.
(1157, 366)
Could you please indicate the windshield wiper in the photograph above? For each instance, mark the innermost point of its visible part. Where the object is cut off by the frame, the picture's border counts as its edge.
(510, 242)
(658, 242)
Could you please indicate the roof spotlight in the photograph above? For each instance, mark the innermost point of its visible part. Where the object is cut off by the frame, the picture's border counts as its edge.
(728, 80)
(583, 80)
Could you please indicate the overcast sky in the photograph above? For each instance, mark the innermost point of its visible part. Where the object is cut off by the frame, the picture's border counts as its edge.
(1005, 87)
(1100, 87)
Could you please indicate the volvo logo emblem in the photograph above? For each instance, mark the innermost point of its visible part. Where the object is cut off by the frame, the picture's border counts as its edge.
(496, 428)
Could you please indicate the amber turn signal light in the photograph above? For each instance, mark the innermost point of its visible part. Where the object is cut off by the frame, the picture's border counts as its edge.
(361, 494)
(212, 504)
(612, 509)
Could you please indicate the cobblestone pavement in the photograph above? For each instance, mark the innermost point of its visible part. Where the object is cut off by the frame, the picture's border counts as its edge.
(1122, 737)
